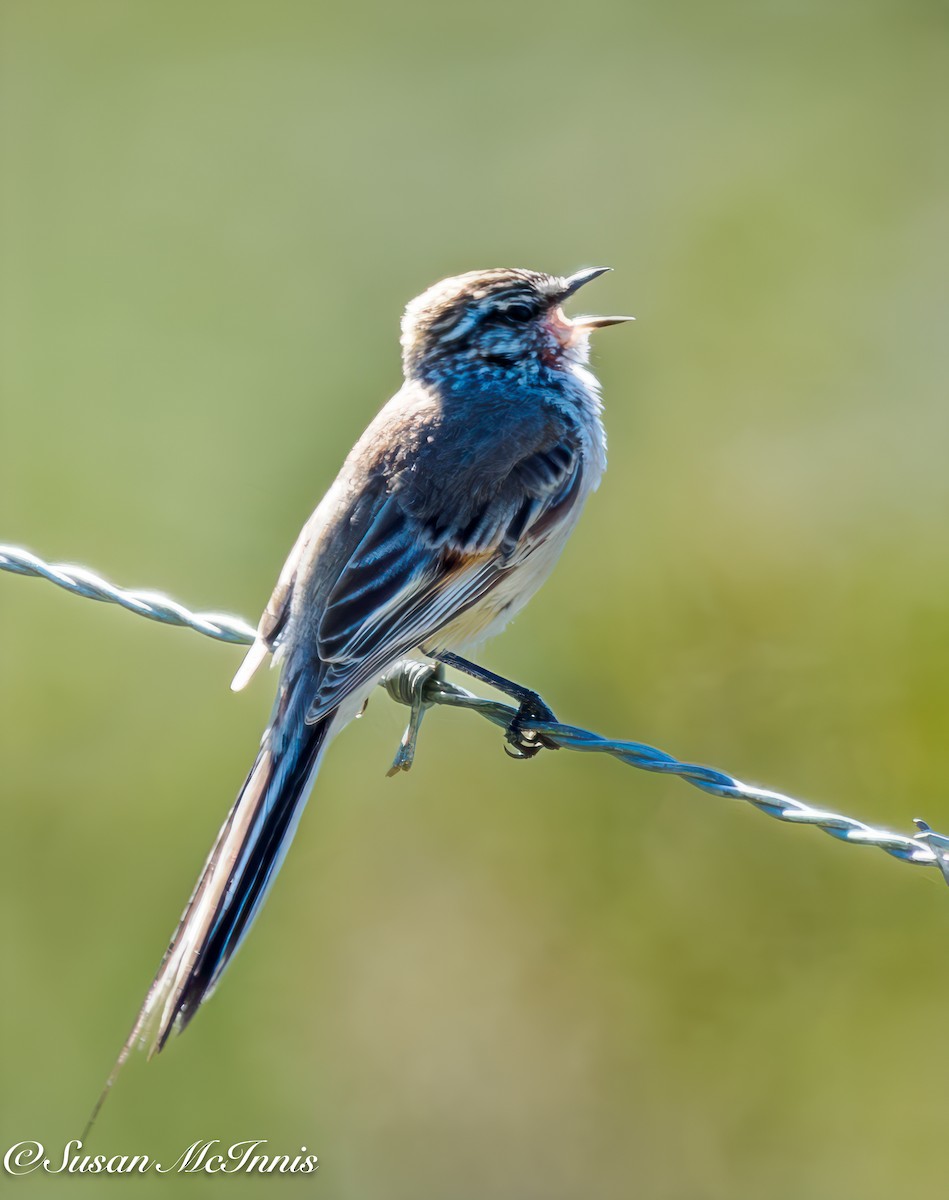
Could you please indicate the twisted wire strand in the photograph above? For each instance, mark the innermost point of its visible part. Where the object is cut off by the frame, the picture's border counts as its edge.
(418, 686)
(153, 605)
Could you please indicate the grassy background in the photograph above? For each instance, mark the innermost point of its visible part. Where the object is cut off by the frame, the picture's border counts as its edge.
(488, 979)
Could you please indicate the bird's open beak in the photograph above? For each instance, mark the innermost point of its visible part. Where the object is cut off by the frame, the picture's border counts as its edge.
(598, 322)
(569, 328)
(576, 282)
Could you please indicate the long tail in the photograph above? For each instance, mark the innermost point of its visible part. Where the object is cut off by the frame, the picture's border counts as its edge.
(243, 862)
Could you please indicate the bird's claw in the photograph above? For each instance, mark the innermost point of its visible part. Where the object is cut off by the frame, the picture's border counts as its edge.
(526, 743)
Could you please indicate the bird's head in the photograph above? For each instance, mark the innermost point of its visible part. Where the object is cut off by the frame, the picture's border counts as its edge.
(499, 318)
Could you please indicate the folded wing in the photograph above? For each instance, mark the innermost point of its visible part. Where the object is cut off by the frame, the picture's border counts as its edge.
(408, 578)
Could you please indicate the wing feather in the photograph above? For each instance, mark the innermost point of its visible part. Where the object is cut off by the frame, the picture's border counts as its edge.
(405, 579)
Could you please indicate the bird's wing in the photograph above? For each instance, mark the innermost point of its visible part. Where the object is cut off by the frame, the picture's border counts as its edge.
(410, 574)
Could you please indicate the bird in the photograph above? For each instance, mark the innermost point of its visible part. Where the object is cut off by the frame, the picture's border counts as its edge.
(447, 515)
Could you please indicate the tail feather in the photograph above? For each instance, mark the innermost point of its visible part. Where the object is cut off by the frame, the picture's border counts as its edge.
(243, 862)
(233, 885)
(284, 786)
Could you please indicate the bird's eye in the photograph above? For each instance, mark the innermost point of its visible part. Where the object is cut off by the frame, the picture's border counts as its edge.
(517, 314)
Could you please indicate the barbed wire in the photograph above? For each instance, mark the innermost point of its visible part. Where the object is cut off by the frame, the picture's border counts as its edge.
(420, 685)
(153, 605)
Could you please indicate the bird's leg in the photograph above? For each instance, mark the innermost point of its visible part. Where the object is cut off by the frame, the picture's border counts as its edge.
(525, 743)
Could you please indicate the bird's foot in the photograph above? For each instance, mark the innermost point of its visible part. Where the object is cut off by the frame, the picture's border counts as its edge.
(523, 743)
(526, 743)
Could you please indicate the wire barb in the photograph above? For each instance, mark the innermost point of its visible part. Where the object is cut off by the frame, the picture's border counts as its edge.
(419, 686)
(407, 683)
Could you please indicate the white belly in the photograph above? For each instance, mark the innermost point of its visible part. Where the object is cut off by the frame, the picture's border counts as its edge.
(515, 587)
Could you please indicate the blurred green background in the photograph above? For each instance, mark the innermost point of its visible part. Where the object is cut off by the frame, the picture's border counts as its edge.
(487, 979)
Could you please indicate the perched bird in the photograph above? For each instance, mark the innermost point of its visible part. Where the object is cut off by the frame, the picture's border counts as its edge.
(446, 517)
